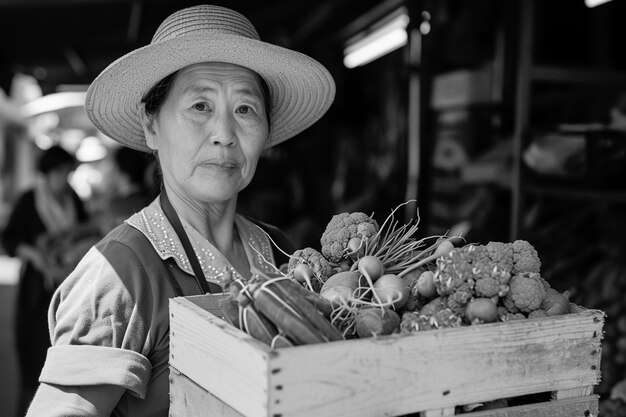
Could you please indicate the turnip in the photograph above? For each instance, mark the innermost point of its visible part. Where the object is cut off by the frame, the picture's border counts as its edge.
(339, 288)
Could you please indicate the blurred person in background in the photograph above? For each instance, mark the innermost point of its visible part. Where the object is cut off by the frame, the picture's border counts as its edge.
(129, 185)
(49, 210)
(214, 97)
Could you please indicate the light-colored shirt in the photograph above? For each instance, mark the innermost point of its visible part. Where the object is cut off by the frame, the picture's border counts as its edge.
(109, 322)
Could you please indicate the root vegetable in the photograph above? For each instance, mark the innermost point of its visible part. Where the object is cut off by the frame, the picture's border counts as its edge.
(339, 288)
(555, 303)
(257, 325)
(481, 310)
(304, 274)
(376, 321)
(391, 289)
(425, 285)
(286, 320)
(371, 267)
(356, 248)
(292, 294)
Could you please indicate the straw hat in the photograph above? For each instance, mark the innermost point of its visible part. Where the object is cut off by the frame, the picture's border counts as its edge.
(301, 89)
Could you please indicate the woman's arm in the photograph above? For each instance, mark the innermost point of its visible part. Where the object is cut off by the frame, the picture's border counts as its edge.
(75, 401)
(99, 326)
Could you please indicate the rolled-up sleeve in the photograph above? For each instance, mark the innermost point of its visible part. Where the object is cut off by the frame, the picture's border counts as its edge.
(99, 328)
(97, 365)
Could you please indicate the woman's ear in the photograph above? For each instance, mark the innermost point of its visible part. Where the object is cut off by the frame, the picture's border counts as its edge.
(147, 123)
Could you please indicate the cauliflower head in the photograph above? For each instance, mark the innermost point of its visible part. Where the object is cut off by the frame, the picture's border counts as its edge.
(492, 269)
(525, 257)
(322, 269)
(343, 227)
(526, 293)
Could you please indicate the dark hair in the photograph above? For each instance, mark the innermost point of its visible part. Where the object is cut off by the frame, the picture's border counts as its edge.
(55, 157)
(155, 97)
(132, 162)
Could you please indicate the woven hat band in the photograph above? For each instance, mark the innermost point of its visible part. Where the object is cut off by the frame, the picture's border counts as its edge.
(205, 19)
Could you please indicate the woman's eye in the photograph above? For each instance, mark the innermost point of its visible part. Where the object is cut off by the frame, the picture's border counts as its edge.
(245, 109)
(201, 106)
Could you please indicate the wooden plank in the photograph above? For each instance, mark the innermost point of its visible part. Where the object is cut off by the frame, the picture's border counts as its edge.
(218, 357)
(397, 375)
(189, 399)
(210, 303)
(441, 412)
(571, 407)
(572, 392)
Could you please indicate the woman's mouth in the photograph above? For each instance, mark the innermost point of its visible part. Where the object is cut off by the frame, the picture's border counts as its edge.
(227, 166)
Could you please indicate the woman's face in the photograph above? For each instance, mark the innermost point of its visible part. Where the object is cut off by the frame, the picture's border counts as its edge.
(210, 131)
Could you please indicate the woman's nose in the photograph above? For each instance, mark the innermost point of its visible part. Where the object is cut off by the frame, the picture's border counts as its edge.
(224, 132)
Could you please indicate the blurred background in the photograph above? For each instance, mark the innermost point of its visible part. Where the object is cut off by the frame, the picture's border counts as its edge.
(503, 120)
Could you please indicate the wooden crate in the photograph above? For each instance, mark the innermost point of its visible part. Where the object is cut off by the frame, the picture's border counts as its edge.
(216, 369)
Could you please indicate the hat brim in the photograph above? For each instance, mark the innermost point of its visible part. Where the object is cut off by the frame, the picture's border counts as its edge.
(301, 89)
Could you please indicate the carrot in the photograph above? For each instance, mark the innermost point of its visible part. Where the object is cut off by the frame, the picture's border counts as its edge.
(319, 302)
(307, 310)
(257, 325)
(285, 318)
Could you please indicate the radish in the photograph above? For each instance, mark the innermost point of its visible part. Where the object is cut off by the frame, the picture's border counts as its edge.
(304, 274)
(356, 248)
(372, 269)
(425, 285)
(481, 310)
(392, 290)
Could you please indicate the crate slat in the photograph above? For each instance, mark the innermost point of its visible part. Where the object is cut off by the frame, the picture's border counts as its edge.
(572, 407)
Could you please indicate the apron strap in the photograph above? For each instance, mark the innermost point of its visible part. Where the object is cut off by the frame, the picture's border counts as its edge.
(204, 285)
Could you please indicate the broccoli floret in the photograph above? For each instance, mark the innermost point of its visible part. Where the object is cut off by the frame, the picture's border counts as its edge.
(322, 269)
(526, 293)
(343, 227)
(525, 257)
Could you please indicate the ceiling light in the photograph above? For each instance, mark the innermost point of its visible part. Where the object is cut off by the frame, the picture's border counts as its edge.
(53, 102)
(594, 3)
(367, 46)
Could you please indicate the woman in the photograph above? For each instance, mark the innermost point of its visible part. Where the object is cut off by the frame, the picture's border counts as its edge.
(42, 215)
(206, 97)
